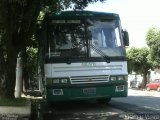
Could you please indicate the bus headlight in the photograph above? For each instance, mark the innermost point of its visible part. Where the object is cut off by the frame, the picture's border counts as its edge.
(113, 78)
(55, 81)
(64, 80)
(120, 78)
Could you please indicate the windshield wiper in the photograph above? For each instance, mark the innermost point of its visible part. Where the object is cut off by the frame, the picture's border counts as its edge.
(107, 58)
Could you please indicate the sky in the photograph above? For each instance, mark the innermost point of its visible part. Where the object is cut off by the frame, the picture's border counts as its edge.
(137, 16)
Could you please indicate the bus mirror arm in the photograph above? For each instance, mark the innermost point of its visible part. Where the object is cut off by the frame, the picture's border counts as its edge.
(126, 37)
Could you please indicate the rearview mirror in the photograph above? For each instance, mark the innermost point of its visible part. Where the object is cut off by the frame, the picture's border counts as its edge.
(126, 37)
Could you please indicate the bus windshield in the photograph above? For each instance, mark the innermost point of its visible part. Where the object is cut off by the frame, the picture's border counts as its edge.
(74, 38)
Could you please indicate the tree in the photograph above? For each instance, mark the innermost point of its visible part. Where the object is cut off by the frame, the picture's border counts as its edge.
(153, 41)
(138, 61)
(18, 20)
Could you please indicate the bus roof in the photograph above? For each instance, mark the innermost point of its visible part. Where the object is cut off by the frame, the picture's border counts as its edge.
(82, 14)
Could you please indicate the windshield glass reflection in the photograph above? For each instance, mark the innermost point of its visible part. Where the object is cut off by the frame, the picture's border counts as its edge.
(73, 38)
(105, 36)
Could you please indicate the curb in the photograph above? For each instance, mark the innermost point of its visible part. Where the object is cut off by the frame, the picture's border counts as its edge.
(15, 112)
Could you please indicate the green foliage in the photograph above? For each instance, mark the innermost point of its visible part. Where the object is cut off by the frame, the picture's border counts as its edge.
(64, 4)
(138, 60)
(153, 41)
(32, 60)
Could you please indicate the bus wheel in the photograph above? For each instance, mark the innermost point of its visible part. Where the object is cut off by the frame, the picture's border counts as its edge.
(104, 100)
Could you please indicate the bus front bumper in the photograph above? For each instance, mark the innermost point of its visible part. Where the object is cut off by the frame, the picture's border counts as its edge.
(85, 93)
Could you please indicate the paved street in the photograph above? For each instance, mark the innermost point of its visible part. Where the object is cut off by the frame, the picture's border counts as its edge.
(83, 111)
(145, 99)
(138, 105)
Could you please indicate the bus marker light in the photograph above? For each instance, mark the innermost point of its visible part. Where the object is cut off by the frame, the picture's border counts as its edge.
(119, 88)
(120, 78)
(113, 78)
(64, 80)
(55, 81)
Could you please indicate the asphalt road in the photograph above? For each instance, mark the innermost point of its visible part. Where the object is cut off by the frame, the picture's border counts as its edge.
(83, 111)
(139, 104)
(139, 101)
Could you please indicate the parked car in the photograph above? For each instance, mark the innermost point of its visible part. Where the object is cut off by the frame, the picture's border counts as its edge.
(154, 85)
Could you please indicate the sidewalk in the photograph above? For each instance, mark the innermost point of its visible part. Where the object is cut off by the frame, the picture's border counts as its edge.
(143, 92)
(15, 112)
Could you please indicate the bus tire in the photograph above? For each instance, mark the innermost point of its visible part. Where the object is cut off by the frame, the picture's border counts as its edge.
(104, 100)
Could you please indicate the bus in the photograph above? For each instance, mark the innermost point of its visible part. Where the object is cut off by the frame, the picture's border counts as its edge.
(83, 56)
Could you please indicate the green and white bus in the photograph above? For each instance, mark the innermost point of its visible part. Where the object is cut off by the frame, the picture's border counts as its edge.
(83, 56)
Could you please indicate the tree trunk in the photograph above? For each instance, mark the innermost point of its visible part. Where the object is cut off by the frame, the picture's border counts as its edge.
(10, 74)
(144, 80)
(7, 71)
(18, 23)
(25, 72)
(2, 76)
(10, 80)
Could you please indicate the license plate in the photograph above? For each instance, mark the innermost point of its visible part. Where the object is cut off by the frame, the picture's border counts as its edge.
(89, 91)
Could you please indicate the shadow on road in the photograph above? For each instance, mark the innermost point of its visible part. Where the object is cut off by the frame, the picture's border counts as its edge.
(81, 111)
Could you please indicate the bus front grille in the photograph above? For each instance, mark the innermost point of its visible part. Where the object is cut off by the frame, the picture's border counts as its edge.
(89, 79)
